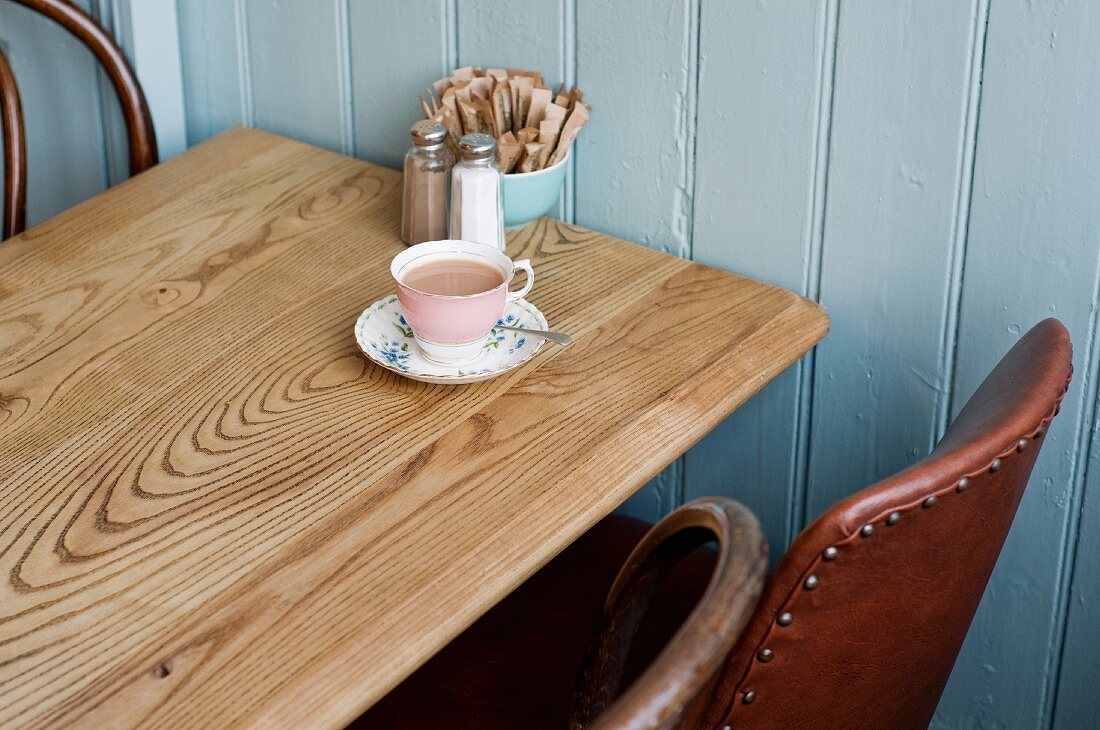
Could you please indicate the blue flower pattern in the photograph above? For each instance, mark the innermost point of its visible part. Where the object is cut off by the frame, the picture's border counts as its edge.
(395, 353)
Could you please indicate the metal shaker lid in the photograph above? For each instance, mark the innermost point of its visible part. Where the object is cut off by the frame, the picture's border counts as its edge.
(477, 146)
(428, 132)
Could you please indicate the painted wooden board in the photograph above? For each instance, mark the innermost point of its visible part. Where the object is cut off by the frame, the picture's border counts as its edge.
(635, 168)
(299, 70)
(531, 34)
(216, 83)
(764, 84)
(1032, 253)
(61, 108)
(1076, 702)
(525, 34)
(896, 154)
(397, 49)
(261, 527)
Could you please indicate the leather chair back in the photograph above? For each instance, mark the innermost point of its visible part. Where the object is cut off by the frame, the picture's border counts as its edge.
(863, 618)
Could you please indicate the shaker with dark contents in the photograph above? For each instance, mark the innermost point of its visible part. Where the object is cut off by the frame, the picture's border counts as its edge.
(427, 184)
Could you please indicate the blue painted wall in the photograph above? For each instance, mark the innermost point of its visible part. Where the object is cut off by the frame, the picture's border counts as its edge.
(76, 138)
(929, 170)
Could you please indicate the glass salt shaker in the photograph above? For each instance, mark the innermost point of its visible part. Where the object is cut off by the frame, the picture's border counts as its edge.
(477, 211)
(427, 165)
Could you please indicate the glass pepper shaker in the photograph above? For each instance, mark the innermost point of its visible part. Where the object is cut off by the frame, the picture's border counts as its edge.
(477, 211)
(427, 166)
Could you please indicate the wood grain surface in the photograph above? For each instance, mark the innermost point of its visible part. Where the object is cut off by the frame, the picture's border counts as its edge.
(215, 512)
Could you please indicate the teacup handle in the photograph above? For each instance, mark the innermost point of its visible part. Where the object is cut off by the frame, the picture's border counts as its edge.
(525, 265)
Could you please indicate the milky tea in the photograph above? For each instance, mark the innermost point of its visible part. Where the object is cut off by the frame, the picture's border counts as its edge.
(456, 276)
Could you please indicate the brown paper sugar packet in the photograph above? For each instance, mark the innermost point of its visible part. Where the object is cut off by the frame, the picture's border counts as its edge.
(451, 105)
(576, 95)
(502, 119)
(441, 86)
(506, 104)
(563, 101)
(481, 87)
(527, 135)
(462, 93)
(549, 129)
(508, 154)
(536, 76)
(530, 160)
(555, 112)
(471, 117)
(500, 74)
(488, 117)
(540, 99)
(424, 108)
(521, 101)
(450, 123)
(569, 132)
(462, 74)
(561, 90)
(508, 137)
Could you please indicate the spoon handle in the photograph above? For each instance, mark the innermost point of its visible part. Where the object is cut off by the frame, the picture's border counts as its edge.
(559, 338)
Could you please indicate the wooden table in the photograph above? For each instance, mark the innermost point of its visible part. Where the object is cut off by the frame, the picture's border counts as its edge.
(215, 512)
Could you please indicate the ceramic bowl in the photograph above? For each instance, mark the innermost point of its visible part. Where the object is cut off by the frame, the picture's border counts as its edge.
(529, 195)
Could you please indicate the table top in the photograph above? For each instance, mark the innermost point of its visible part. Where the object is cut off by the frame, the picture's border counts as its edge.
(215, 511)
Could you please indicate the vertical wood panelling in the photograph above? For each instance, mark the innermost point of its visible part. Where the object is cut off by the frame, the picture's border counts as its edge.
(296, 75)
(215, 83)
(526, 34)
(396, 50)
(900, 94)
(1032, 252)
(1077, 704)
(57, 81)
(152, 45)
(635, 159)
(531, 34)
(763, 72)
(934, 183)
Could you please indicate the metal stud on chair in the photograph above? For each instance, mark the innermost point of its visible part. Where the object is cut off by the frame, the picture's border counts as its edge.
(748, 697)
(785, 619)
(929, 503)
(894, 518)
(963, 485)
(996, 465)
(830, 554)
(765, 655)
(1021, 445)
(811, 583)
(867, 530)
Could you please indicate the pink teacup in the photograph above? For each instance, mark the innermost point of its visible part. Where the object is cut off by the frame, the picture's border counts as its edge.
(453, 329)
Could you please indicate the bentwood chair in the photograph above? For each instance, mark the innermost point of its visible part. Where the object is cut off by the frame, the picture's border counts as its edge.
(135, 110)
(858, 626)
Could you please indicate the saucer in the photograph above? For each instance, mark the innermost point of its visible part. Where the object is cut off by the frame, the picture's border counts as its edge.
(385, 338)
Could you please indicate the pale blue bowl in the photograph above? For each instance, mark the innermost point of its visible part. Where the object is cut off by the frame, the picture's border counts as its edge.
(529, 195)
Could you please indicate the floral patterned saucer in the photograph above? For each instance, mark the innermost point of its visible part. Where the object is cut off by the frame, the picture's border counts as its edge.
(385, 338)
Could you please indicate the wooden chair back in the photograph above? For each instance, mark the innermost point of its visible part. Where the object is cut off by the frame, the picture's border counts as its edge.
(675, 688)
(863, 618)
(135, 110)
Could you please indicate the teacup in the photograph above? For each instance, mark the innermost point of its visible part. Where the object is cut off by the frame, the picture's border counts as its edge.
(452, 328)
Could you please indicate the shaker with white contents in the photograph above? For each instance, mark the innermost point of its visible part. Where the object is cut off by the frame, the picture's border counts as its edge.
(476, 193)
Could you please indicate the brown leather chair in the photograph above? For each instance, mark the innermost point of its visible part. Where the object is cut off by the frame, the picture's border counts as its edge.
(858, 626)
(135, 110)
